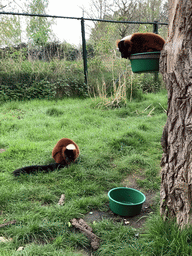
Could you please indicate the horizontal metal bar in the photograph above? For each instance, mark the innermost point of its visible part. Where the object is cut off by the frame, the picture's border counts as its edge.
(38, 15)
(79, 18)
(129, 22)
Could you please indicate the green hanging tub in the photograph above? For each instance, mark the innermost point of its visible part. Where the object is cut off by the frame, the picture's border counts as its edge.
(145, 62)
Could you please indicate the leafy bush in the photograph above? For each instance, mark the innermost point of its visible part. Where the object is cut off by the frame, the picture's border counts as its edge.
(68, 52)
(22, 79)
(147, 82)
(43, 90)
(38, 90)
(38, 79)
(70, 86)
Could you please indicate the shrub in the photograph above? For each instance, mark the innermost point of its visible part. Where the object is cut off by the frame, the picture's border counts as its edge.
(38, 79)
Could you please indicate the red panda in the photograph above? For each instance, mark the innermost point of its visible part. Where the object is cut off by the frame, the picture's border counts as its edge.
(140, 42)
(65, 152)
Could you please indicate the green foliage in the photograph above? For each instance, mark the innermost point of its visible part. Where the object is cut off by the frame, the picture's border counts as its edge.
(159, 238)
(166, 238)
(114, 83)
(28, 80)
(111, 234)
(103, 38)
(70, 52)
(101, 71)
(22, 79)
(10, 30)
(38, 28)
(90, 50)
(37, 90)
(54, 112)
(147, 83)
(19, 55)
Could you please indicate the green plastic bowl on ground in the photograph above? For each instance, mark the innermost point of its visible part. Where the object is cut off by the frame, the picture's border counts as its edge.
(126, 201)
(145, 62)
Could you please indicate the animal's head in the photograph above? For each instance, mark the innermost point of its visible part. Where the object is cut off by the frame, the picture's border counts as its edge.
(125, 45)
(65, 151)
(70, 153)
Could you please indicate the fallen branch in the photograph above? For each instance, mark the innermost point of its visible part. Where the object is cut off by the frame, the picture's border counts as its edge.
(87, 230)
(7, 223)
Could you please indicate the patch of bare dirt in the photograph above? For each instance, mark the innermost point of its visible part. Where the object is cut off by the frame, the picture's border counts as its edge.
(136, 221)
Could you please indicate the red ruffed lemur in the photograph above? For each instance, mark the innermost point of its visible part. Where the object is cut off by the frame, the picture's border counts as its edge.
(138, 43)
(65, 152)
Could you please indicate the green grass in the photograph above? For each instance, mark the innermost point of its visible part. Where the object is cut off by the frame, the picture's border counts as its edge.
(113, 144)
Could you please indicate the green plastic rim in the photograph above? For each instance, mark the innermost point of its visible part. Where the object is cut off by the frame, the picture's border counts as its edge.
(145, 62)
(145, 55)
(126, 201)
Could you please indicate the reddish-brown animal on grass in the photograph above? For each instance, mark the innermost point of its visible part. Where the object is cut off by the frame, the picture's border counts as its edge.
(64, 153)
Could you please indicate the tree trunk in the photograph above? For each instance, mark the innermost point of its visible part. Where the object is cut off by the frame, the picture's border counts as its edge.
(176, 67)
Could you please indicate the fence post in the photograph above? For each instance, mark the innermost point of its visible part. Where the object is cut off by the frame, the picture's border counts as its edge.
(155, 30)
(155, 27)
(84, 48)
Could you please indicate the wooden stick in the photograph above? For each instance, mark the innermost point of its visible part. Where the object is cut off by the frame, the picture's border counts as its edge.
(87, 230)
(7, 223)
(61, 200)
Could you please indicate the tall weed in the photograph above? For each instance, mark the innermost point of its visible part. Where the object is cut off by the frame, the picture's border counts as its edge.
(112, 83)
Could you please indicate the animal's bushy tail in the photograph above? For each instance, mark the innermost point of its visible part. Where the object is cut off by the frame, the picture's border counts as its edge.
(38, 168)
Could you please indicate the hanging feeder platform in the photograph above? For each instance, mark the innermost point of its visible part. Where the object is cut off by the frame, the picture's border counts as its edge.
(145, 62)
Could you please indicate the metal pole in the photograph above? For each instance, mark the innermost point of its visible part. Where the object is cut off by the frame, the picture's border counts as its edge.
(155, 27)
(155, 30)
(84, 48)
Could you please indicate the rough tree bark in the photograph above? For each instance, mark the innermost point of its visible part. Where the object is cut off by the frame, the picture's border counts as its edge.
(176, 67)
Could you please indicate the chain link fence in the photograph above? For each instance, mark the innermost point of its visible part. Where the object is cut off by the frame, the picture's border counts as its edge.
(32, 61)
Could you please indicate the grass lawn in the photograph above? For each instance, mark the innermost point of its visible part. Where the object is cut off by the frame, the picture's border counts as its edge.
(114, 145)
